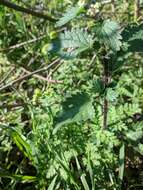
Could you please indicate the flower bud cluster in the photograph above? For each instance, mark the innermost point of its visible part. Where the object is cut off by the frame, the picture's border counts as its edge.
(94, 9)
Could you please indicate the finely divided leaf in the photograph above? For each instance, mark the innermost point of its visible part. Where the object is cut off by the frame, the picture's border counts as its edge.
(135, 136)
(70, 14)
(111, 95)
(109, 34)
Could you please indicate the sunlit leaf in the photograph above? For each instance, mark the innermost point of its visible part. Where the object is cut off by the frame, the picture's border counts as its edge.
(109, 34)
(76, 108)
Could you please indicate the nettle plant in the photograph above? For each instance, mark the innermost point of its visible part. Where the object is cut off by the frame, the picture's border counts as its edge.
(103, 41)
(78, 151)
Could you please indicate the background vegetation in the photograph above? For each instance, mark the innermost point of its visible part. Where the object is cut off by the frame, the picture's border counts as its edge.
(71, 96)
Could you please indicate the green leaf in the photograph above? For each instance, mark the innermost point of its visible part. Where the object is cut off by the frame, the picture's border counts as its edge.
(91, 172)
(84, 182)
(60, 158)
(71, 43)
(52, 184)
(45, 48)
(20, 140)
(109, 34)
(21, 143)
(76, 108)
(111, 95)
(117, 60)
(23, 178)
(82, 176)
(133, 36)
(70, 14)
(98, 86)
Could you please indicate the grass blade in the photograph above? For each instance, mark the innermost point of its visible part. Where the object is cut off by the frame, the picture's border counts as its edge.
(21, 178)
(52, 185)
(121, 162)
(82, 177)
(20, 140)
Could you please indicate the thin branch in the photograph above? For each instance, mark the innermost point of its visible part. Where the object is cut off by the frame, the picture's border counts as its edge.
(53, 71)
(6, 76)
(23, 43)
(90, 65)
(106, 2)
(10, 106)
(30, 74)
(136, 10)
(113, 6)
(26, 10)
(105, 113)
(41, 77)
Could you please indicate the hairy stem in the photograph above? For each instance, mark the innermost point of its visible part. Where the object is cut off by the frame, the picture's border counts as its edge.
(26, 10)
(105, 113)
(105, 102)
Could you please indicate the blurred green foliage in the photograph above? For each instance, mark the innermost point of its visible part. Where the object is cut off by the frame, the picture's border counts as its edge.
(51, 135)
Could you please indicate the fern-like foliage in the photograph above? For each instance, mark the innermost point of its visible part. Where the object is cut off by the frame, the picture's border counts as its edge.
(71, 43)
(76, 108)
(70, 14)
(109, 34)
(133, 35)
(135, 136)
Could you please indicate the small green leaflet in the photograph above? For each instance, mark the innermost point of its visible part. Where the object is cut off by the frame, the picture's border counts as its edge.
(76, 108)
(71, 43)
(109, 33)
(111, 95)
(70, 14)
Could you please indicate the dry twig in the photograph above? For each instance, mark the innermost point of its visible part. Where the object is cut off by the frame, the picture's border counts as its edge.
(23, 43)
(26, 10)
(41, 77)
(55, 62)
